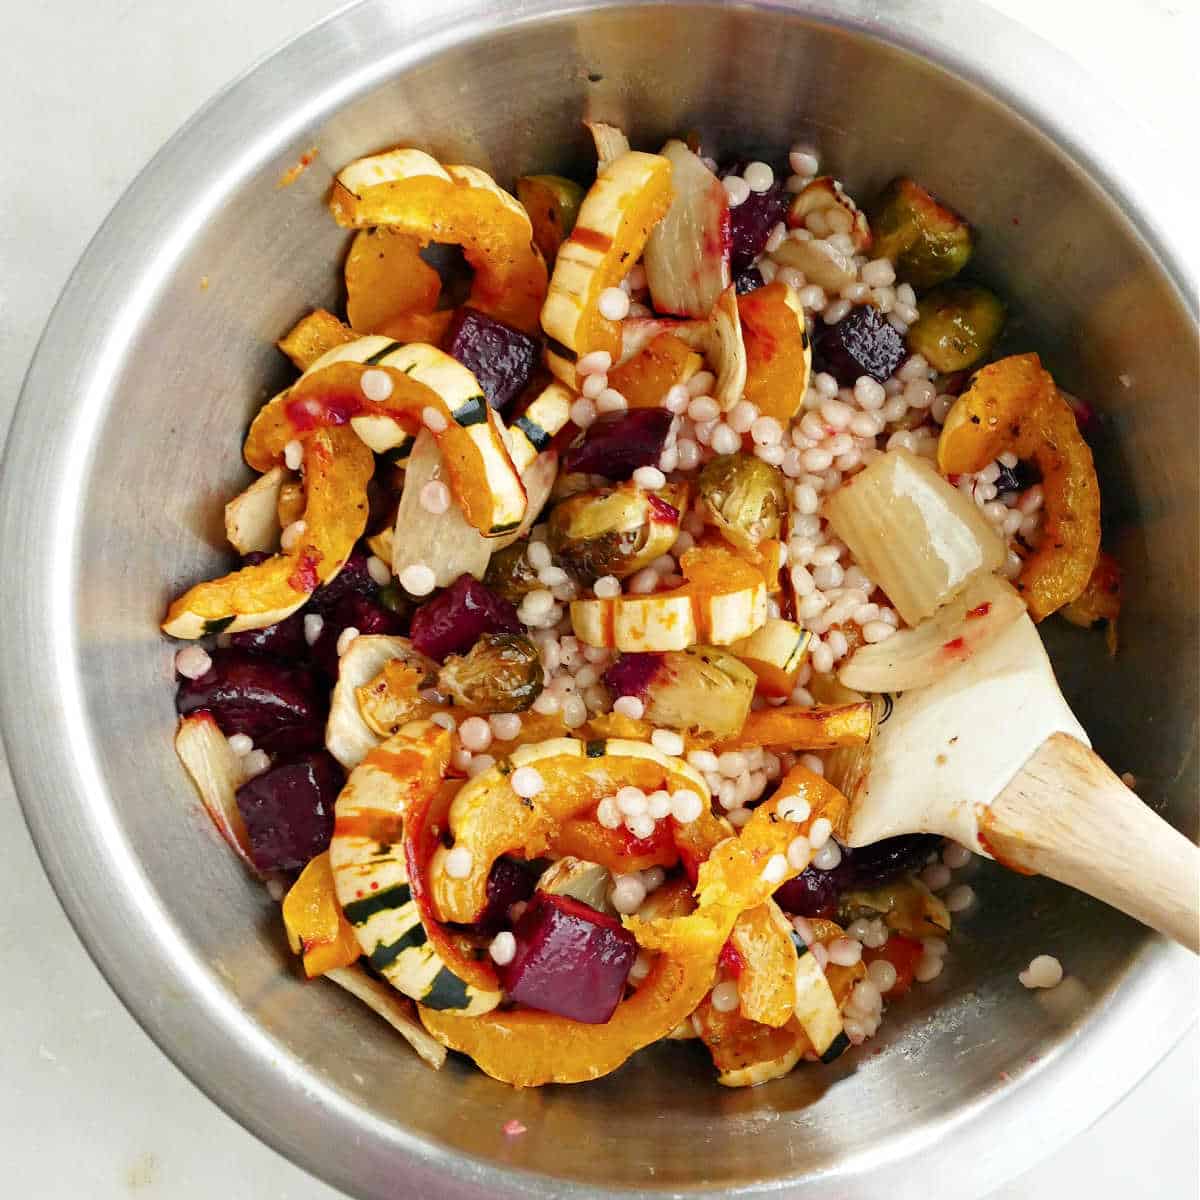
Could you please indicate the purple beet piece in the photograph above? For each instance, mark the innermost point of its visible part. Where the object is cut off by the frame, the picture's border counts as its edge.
(751, 221)
(501, 357)
(288, 811)
(508, 883)
(281, 708)
(354, 578)
(364, 614)
(749, 280)
(615, 444)
(871, 866)
(570, 960)
(861, 343)
(452, 622)
(632, 674)
(815, 893)
(285, 639)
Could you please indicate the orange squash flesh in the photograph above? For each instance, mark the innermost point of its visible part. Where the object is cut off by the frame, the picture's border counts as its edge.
(316, 928)
(776, 352)
(647, 377)
(822, 727)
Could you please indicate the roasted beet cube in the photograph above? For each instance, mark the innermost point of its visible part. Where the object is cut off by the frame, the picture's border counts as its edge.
(749, 280)
(813, 893)
(500, 357)
(353, 578)
(453, 620)
(361, 612)
(288, 811)
(861, 343)
(874, 865)
(285, 639)
(509, 883)
(570, 960)
(616, 444)
(751, 221)
(281, 708)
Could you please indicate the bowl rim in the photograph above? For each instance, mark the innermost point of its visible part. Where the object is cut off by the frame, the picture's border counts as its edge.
(254, 120)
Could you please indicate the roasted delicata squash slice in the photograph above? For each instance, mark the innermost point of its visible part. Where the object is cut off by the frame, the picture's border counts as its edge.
(386, 278)
(313, 336)
(316, 928)
(1014, 405)
(629, 197)
(775, 653)
(763, 939)
(217, 773)
(409, 192)
(778, 351)
(337, 468)
(651, 373)
(532, 433)
(430, 390)
(722, 600)
(793, 727)
(376, 861)
(488, 818)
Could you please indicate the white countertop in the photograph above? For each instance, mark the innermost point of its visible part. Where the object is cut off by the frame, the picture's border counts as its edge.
(89, 1106)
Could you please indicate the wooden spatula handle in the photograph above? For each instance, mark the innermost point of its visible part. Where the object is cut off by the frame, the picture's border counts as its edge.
(1066, 815)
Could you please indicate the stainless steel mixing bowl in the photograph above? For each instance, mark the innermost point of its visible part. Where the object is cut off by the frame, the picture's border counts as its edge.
(127, 441)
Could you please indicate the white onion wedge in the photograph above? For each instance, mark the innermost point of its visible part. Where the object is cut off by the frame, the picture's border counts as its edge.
(688, 251)
(913, 658)
(395, 1009)
(252, 516)
(638, 332)
(914, 534)
(824, 194)
(609, 141)
(821, 264)
(217, 773)
(727, 350)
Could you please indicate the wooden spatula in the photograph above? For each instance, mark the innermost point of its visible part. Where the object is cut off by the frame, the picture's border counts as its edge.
(991, 756)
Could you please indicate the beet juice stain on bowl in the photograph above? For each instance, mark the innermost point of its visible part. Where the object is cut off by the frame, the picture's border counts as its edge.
(619, 611)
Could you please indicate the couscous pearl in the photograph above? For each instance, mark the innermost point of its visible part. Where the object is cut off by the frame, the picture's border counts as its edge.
(293, 455)
(877, 631)
(586, 676)
(828, 857)
(835, 312)
(811, 297)
(928, 967)
(503, 948)
(445, 720)
(658, 805)
(255, 763)
(610, 400)
(960, 898)
(458, 863)
(644, 582)
(595, 363)
(677, 399)
(812, 763)
(689, 454)
(641, 967)
(553, 577)
(935, 877)
(766, 431)
(547, 704)
(479, 764)
(345, 638)
(936, 946)
(703, 760)
(955, 856)
(701, 383)
(475, 734)
(758, 176)
(724, 440)
(627, 894)
(607, 586)
(193, 661)
(614, 304)
(537, 603)
(291, 535)
(631, 801)
(607, 813)
(736, 189)
(418, 579)
(629, 706)
(667, 741)
(527, 782)
(686, 806)
(650, 478)
(882, 974)
(819, 832)
(376, 385)
(641, 826)
(772, 454)
(703, 408)
(240, 744)
(591, 387)
(583, 412)
(794, 808)
(799, 853)
(433, 419)
(776, 869)
(844, 951)
(724, 997)
(1045, 971)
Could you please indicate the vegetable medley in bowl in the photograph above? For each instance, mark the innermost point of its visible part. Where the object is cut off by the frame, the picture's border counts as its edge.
(566, 614)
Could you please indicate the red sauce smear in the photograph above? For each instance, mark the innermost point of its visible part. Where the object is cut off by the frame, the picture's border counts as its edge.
(662, 510)
(731, 960)
(305, 578)
(981, 610)
(317, 412)
(592, 239)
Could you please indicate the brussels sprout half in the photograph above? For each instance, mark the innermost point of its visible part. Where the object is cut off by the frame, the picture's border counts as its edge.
(928, 242)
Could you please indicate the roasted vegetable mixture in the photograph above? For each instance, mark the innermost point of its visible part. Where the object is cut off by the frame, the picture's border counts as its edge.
(574, 579)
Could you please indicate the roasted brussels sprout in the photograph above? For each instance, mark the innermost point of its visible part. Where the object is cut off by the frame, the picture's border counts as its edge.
(393, 697)
(552, 203)
(958, 325)
(615, 531)
(928, 242)
(744, 498)
(703, 689)
(501, 673)
(906, 905)
(509, 574)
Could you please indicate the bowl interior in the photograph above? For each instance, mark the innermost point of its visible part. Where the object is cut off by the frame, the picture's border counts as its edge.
(187, 356)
